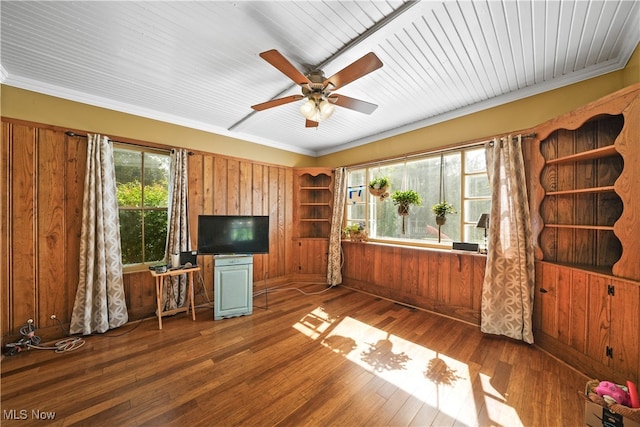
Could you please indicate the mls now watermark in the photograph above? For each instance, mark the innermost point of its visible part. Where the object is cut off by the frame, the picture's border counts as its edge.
(24, 414)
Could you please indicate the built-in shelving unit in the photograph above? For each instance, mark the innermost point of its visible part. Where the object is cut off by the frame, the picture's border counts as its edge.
(314, 192)
(585, 170)
(313, 209)
(580, 205)
(584, 174)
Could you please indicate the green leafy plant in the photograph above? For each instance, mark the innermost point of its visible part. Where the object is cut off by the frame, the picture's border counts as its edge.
(443, 208)
(354, 228)
(356, 232)
(380, 182)
(406, 198)
(378, 187)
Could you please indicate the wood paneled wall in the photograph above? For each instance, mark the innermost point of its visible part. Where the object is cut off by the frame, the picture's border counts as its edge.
(445, 282)
(226, 186)
(42, 185)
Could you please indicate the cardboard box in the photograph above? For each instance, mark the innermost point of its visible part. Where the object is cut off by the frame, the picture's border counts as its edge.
(601, 416)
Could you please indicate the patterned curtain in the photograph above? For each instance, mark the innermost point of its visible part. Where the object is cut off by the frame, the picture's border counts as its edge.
(334, 263)
(509, 281)
(100, 301)
(178, 239)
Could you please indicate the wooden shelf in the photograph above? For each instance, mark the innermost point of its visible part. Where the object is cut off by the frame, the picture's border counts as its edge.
(580, 204)
(597, 153)
(605, 189)
(313, 199)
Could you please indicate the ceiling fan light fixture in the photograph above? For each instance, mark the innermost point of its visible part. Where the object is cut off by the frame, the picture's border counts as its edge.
(309, 110)
(317, 111)
(325, 109)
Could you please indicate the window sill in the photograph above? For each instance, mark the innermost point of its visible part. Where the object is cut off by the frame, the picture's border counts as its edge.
(136, 268)
(418, 248)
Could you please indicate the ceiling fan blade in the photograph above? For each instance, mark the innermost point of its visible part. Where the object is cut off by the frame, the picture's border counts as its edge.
(363, 66)
(353, 103)
(311, 124)
(276, 59)
(276, 102)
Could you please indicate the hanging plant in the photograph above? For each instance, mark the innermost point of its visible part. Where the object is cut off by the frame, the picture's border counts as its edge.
(404, 199)
(379, 186)
(441, 210)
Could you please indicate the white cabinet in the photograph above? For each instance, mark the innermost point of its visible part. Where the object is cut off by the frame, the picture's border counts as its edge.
(232, 286)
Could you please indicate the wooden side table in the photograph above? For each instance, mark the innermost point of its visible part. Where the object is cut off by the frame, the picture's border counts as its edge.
(160, 281)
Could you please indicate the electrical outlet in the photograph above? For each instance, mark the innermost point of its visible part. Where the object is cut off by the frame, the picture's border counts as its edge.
(53, 317)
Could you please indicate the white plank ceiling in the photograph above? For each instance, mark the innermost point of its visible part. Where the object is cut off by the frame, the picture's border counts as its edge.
(197, 63)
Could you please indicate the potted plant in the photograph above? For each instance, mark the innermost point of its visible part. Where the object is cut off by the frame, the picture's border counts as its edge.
(441, 210)
(356, 232)
(404, 199)
(378, 187)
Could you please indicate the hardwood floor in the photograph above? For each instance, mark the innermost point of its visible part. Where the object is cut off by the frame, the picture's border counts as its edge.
(339, 358)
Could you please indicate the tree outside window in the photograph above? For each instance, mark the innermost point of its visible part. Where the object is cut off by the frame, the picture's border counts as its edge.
(143, 198)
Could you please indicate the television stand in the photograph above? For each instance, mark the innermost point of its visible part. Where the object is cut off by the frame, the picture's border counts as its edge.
(232, 286)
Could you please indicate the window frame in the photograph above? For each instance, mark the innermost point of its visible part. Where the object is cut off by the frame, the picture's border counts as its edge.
(144, 265)
(369, 200)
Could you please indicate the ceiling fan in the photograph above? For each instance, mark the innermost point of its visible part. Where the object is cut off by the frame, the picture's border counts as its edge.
(318, 90)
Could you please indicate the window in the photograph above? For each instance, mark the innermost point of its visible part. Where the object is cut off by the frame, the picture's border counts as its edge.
(457, 176)
(142, 178)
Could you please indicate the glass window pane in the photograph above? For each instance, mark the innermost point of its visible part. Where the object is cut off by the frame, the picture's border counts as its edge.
(474, 208)
(475, 161)
(477, 186)
(155, 234)
(131, 236)
(357, 177)
(356, 212)
(474, 234)
(156, 180)
(128, 165)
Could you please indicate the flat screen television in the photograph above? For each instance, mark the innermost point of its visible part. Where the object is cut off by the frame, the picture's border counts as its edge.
(233, 234)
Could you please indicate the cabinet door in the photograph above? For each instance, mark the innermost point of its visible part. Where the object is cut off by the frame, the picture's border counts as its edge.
(625, 329)
(573, 295)
(561, 304)
(599, 325)
(614, 325)
(311, 256)
(545, 299)
(233, 291)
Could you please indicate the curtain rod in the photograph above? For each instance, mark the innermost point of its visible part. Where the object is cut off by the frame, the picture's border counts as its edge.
(444, 150)
(72, 133)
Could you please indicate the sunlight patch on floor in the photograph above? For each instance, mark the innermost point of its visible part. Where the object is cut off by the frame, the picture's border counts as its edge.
(315, 323)
(439, 381)
(496, 404)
